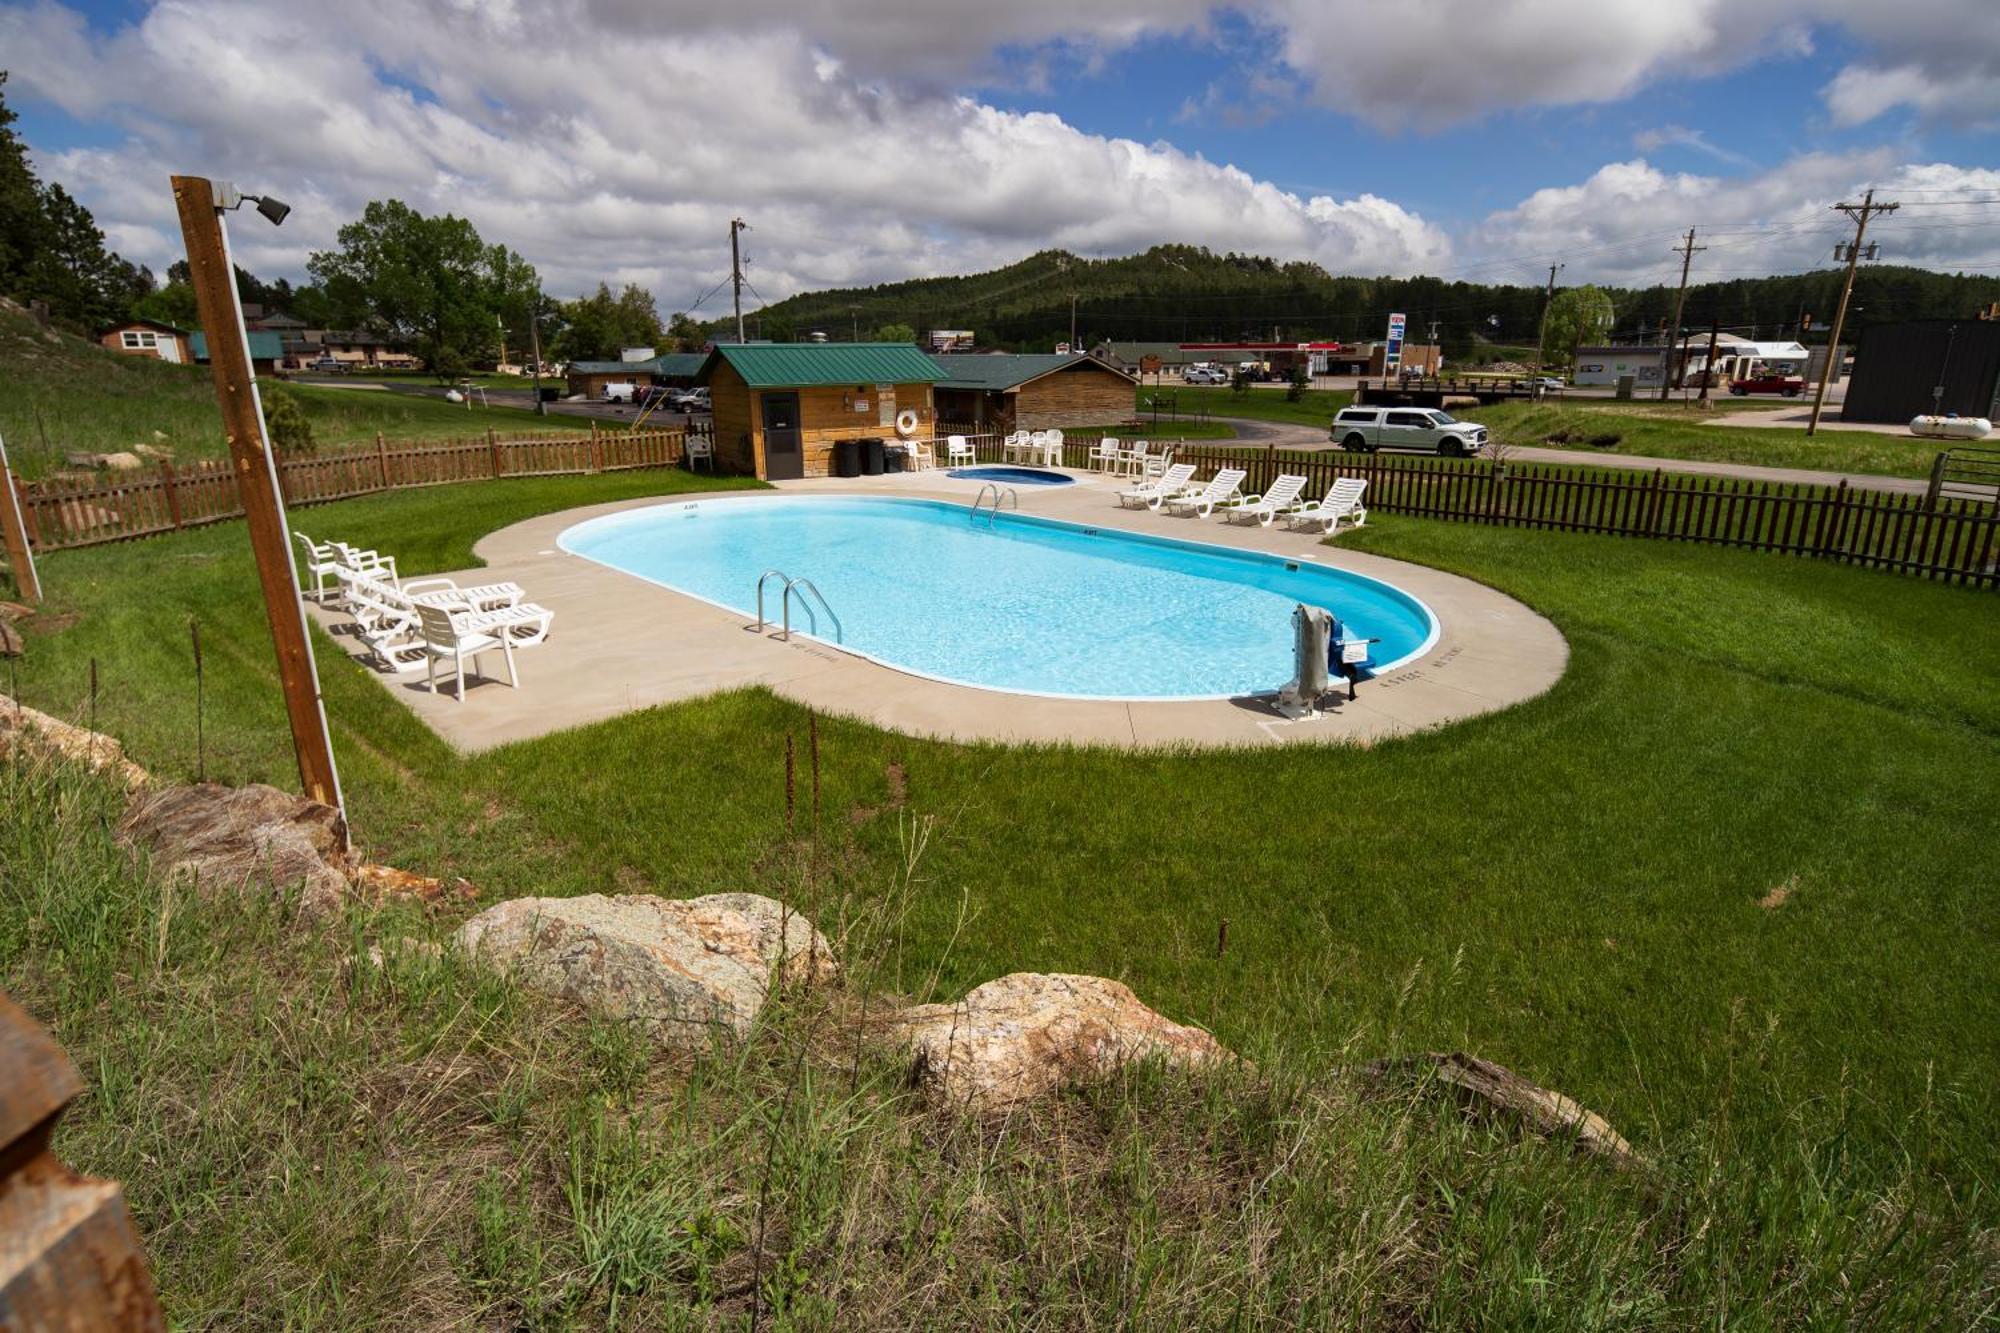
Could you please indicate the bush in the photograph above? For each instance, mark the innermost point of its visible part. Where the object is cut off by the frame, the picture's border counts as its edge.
(289, 427)
(1300, 379)
(1239, 381)
(1558, 437)
(1607, 440)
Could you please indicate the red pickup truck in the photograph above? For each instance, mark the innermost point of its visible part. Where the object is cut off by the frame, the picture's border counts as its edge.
(1789, 385)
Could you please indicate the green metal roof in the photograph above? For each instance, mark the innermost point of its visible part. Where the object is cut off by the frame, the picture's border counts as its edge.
(263, 345)
(786, 365)
(668, 363)
(996, 372)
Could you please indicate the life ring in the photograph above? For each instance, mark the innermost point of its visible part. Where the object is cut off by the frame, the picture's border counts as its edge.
(906, 423)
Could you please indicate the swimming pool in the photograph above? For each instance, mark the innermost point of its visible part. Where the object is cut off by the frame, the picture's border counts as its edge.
(1025, 604)
(1014, 476)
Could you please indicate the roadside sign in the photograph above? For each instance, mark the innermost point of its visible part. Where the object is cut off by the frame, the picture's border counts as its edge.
(1392, 349)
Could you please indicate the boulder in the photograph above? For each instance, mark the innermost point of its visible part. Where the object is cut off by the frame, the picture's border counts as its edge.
(158, 453)
(29, 732)
(680, 966)
(253, 838)
(122, 461)
(1485, 1087)
(83, 458)
(1031, 1033)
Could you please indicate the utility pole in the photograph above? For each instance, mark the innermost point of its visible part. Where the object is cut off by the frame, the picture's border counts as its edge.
(1548, 299)
(201, 203)
(1860, 212)
(736, 271)
(854, 315)
(1437, 362)
(1072, 321)
(1687, 248)
(535, 349)
(1708, 367)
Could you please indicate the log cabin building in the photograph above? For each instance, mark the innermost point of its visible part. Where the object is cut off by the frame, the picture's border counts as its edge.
(1001, 393)
(780, 407)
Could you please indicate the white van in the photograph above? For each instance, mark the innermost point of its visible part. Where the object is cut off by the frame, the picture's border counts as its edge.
(622, 392)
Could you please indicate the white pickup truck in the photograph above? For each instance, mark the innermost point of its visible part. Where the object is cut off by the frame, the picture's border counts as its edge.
(1366, 429)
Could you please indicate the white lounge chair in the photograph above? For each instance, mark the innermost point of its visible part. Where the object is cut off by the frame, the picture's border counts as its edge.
(1283, 494)
(322, 559)
(1202, 502)
(957, 450)
(448, 636)
(1105, 455)
(1343, 500)
(1153, 493)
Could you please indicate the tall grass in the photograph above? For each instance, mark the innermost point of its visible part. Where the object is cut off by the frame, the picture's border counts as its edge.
(311, 1139)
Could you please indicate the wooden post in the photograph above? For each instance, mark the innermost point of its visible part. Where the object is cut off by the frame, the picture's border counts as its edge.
(69, 1257)
(493, 450)
(382, 459)
(14, 529)
(167, 488)
(221, 312)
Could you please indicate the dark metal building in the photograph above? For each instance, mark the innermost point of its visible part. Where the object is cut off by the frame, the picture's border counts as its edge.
(1899, 367)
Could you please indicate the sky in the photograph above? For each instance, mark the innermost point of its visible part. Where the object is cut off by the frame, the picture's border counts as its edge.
(871, 140)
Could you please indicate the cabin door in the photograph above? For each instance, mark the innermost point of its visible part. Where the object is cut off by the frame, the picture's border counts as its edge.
(784, 450)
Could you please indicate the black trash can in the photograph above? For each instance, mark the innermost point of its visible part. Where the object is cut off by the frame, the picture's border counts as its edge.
(847, 458)
(871, 458)
(551, 395)
(895, 458)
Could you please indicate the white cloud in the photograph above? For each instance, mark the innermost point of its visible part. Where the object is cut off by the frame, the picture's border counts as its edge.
(1680, 136)
(1619, 225)
(624, 150)
(615, 138)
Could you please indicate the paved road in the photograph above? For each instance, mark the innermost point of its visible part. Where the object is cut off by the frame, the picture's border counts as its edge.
(521, 398)
(1303, 438)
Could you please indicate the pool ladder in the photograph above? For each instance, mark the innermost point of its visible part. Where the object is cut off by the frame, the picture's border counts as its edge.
(804, 587)
(1001, 495)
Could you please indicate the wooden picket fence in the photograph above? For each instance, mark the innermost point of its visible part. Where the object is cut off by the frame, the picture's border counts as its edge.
(165, 498)
(1952, 540)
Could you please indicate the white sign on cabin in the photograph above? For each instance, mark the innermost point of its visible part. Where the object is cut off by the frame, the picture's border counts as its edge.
(886, 393)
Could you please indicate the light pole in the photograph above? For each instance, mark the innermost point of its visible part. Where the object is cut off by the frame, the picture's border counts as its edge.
(201, 204)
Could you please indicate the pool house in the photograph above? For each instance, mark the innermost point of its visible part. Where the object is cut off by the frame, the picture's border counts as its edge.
(780, 408)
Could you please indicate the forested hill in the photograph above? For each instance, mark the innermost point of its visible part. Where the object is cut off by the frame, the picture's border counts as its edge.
(1186, 293)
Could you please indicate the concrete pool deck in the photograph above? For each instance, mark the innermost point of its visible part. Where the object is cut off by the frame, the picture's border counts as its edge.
(621, 644)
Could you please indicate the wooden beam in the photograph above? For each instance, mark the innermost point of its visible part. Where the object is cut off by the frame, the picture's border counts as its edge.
(221, 312)
(14, 529)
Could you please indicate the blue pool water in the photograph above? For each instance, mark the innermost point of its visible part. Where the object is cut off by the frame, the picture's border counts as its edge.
(1027, 604)
(1012, 476)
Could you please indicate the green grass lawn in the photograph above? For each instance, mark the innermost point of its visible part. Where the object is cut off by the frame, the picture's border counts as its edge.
(1315, 408)
(1729, 882)
(1673, 431)
(59, 394)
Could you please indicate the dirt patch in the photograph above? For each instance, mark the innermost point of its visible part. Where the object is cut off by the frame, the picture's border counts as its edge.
(1780, 895)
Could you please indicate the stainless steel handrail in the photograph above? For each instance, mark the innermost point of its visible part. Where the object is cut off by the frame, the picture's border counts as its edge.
(1001, 494)
(762, 579)
(809, 586)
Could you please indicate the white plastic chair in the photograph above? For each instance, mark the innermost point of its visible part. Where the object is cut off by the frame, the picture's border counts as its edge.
(1284, 493)
(1343, 500)
(446, 637)
(699, 449)
(957, 450)
(919, 454)
(1202, 503)
(1174, 481)
(1105, 455)
(321, 560)
(1052, 447)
